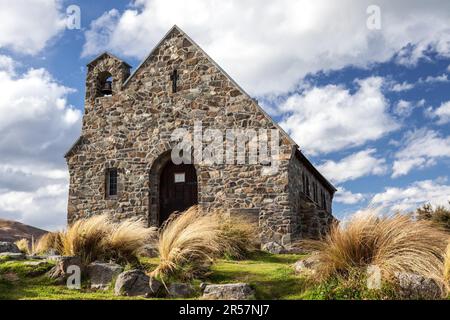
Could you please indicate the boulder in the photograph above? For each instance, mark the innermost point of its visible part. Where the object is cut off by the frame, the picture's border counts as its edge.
(136, 283)
(414, 286)
(102, 274)
(180, 290)
(232, 291)
(149, 251)
(35, 257)
(12, 255)
(273, 247)
(54, 258)
(59, 271)
(10, 277)
(8, 247)
(36, 263)
(307, 265)
(203, 286)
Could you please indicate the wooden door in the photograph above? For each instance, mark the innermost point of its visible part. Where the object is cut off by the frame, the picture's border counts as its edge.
(178, 189)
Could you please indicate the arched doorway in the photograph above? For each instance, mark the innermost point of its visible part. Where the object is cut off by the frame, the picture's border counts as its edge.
(177, 189)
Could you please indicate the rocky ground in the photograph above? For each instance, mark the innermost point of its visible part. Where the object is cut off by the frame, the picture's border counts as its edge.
(264, 276)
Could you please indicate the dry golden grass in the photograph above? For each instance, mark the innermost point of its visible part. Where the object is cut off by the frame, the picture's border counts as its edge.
(127, 239)
(99, 238)
(239, 237)
(447, 265)
(394, 243)
(49, 241)
(188, 244)
(23, 245)
(86, 238)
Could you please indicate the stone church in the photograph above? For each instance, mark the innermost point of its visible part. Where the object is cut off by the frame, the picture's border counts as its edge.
(122, 165)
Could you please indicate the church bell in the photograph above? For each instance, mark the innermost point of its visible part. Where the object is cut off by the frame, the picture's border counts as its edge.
(107, 88)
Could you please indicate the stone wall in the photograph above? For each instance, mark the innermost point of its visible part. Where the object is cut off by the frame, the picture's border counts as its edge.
(131, 130)
(312, 217)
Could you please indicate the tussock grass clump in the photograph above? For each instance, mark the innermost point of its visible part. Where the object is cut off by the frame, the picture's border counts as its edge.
(99, 238)
(238, 236)
(393, 243)
(188, 244)
(51, 241)
(447, 265)
(23, 245)
(127, 239)
(86, 238)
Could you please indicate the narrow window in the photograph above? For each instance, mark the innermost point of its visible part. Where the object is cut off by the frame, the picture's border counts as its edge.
(308, 190)
(315, 192)
(174, 78)
(111, 183)
(304, 182)
(324, 202)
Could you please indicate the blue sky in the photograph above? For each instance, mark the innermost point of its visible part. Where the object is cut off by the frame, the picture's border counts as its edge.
(369, 106)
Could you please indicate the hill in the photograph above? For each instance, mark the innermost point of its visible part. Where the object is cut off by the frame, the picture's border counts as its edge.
(13, 230)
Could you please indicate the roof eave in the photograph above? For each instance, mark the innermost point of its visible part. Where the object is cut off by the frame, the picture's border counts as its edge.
(316, 172)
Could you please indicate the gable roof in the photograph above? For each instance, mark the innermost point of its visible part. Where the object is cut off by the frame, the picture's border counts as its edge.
(107, 54)
(76, 143)
(316, 172)
(175, 27)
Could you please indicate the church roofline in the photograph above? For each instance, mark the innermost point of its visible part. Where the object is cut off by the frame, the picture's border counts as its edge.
(316, 172)
(109, 54)
(175, 27)
(66, 155)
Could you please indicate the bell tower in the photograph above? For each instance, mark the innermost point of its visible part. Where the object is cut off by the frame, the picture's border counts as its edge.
(105, 77)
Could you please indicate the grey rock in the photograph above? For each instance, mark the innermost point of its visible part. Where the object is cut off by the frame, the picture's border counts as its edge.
(273, 247)
(135, 283)
(8, 247)
(13, 255)
(149, 251)
(203, 285)
(54, 258)
(36, 257)
(36, 263)
(180, 290)
(232, 291)
(414, 286)
(59, 271)
(307, 265)
(286, 240)
(102, 274)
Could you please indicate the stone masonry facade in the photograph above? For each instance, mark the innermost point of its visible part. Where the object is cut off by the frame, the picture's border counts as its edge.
(130, 131)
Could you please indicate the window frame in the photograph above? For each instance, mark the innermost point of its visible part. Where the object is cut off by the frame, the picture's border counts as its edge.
(110, 182)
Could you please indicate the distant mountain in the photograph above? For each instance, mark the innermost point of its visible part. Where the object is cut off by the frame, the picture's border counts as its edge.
(13, 230)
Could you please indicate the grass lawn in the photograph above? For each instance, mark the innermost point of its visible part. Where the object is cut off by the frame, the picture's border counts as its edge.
(271, 275)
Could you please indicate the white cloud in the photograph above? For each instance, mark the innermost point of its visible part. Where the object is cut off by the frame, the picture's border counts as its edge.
(37, 126)
(44, 207)
(448, 68)
(405, 108)
(422, 148)
(331, 118)
(434, 79)
(354, 166)
(399, 87)
(269, 46)
(413, 196)
(27, 26)
(443, 113)
(347, 197)
(7, 64)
